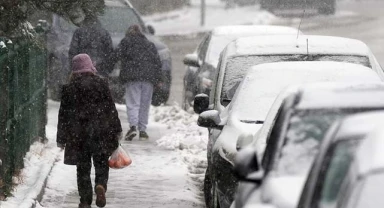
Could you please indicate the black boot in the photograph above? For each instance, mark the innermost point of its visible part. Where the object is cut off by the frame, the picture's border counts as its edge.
(143, 136)
(131, 133)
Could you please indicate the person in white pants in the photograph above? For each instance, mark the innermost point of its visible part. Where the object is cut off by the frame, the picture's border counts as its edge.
(138, 98)
(141, 71)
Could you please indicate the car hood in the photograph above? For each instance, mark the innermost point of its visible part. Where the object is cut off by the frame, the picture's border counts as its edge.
(283, 191)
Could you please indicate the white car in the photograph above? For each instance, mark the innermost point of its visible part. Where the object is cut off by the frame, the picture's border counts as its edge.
(249, 108)
(299, 126)
(243, 53)
(201, 65)
(330, 170)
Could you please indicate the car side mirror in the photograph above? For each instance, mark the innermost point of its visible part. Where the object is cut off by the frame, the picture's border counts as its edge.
(244, 140)
(210, 119)
(191, 60)
(247, 166)
(151, 29)
(201, 103)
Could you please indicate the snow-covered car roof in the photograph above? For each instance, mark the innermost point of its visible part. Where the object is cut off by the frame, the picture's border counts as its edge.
(367, 122)
(263, 83)
(266, 45)
(223, 35)
(348, 96)
(246, 30)
(370, 155)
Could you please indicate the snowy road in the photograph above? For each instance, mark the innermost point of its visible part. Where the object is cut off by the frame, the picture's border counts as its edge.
(158, 177)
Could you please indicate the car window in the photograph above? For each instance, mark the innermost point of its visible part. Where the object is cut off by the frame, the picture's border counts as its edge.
(371, 195)
(334, 169)
(305, 131)
(237, 67)
(202, 50)
(119, 19)
(273, 140)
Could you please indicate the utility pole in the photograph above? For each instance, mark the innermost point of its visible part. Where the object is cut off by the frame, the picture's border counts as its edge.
(203, 10)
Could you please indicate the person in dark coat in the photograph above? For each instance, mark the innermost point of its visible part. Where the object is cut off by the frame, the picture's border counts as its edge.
(88, 127)
(141, 71)
(92, 39)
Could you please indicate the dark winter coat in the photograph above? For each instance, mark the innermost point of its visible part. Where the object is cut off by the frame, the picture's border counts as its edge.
(140, 60)
(92, 39)
(87, 118)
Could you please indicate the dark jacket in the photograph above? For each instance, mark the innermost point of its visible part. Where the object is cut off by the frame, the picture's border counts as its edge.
(140, 60)
(88, 118)
(92, 39)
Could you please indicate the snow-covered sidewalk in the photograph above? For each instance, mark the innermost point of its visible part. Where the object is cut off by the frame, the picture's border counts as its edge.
(164, 173)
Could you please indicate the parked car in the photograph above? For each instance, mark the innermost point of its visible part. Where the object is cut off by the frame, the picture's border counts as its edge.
(292, 139)
(117, 17)
(201, 64)
(331, 168)
(362, 186)
(244, 116)
(245, 52)
(322, 6)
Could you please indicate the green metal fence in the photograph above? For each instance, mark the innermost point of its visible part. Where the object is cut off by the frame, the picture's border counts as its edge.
(22, 103)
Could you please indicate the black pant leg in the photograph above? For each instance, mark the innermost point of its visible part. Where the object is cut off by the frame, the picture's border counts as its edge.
(84, 183)
(100, 161)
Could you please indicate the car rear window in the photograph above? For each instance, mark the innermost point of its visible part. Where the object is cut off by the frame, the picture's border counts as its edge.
(237, 67)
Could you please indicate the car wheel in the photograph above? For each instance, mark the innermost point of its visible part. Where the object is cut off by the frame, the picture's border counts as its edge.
(208, 189)
(210, 194)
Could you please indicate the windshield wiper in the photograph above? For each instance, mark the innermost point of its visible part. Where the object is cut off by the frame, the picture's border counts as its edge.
(252, 122)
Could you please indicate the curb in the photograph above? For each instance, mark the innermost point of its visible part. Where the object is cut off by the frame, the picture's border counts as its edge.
(33, 189)
(40, 194)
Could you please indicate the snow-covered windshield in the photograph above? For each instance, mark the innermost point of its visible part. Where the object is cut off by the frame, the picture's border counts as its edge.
(237, 67)
(114, 19)
(305, 132)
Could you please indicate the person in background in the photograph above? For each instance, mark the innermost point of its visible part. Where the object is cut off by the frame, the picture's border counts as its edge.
(141, 71)
(92, 39)
(88, 127)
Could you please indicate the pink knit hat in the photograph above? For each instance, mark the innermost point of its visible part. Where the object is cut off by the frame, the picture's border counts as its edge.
(82, 63)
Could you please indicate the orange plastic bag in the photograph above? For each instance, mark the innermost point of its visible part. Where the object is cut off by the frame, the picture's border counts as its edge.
(119, 159)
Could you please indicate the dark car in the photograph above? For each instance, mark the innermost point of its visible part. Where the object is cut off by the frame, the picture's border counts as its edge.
(322, 6)
(117, 17)
(293, 141)
(331, 167)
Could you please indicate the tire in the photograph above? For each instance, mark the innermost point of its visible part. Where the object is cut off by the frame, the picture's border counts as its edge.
(210, 192)
(208, 189)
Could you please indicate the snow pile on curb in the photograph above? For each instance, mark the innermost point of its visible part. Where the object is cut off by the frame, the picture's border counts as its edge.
(38, 163)
(187, 138)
